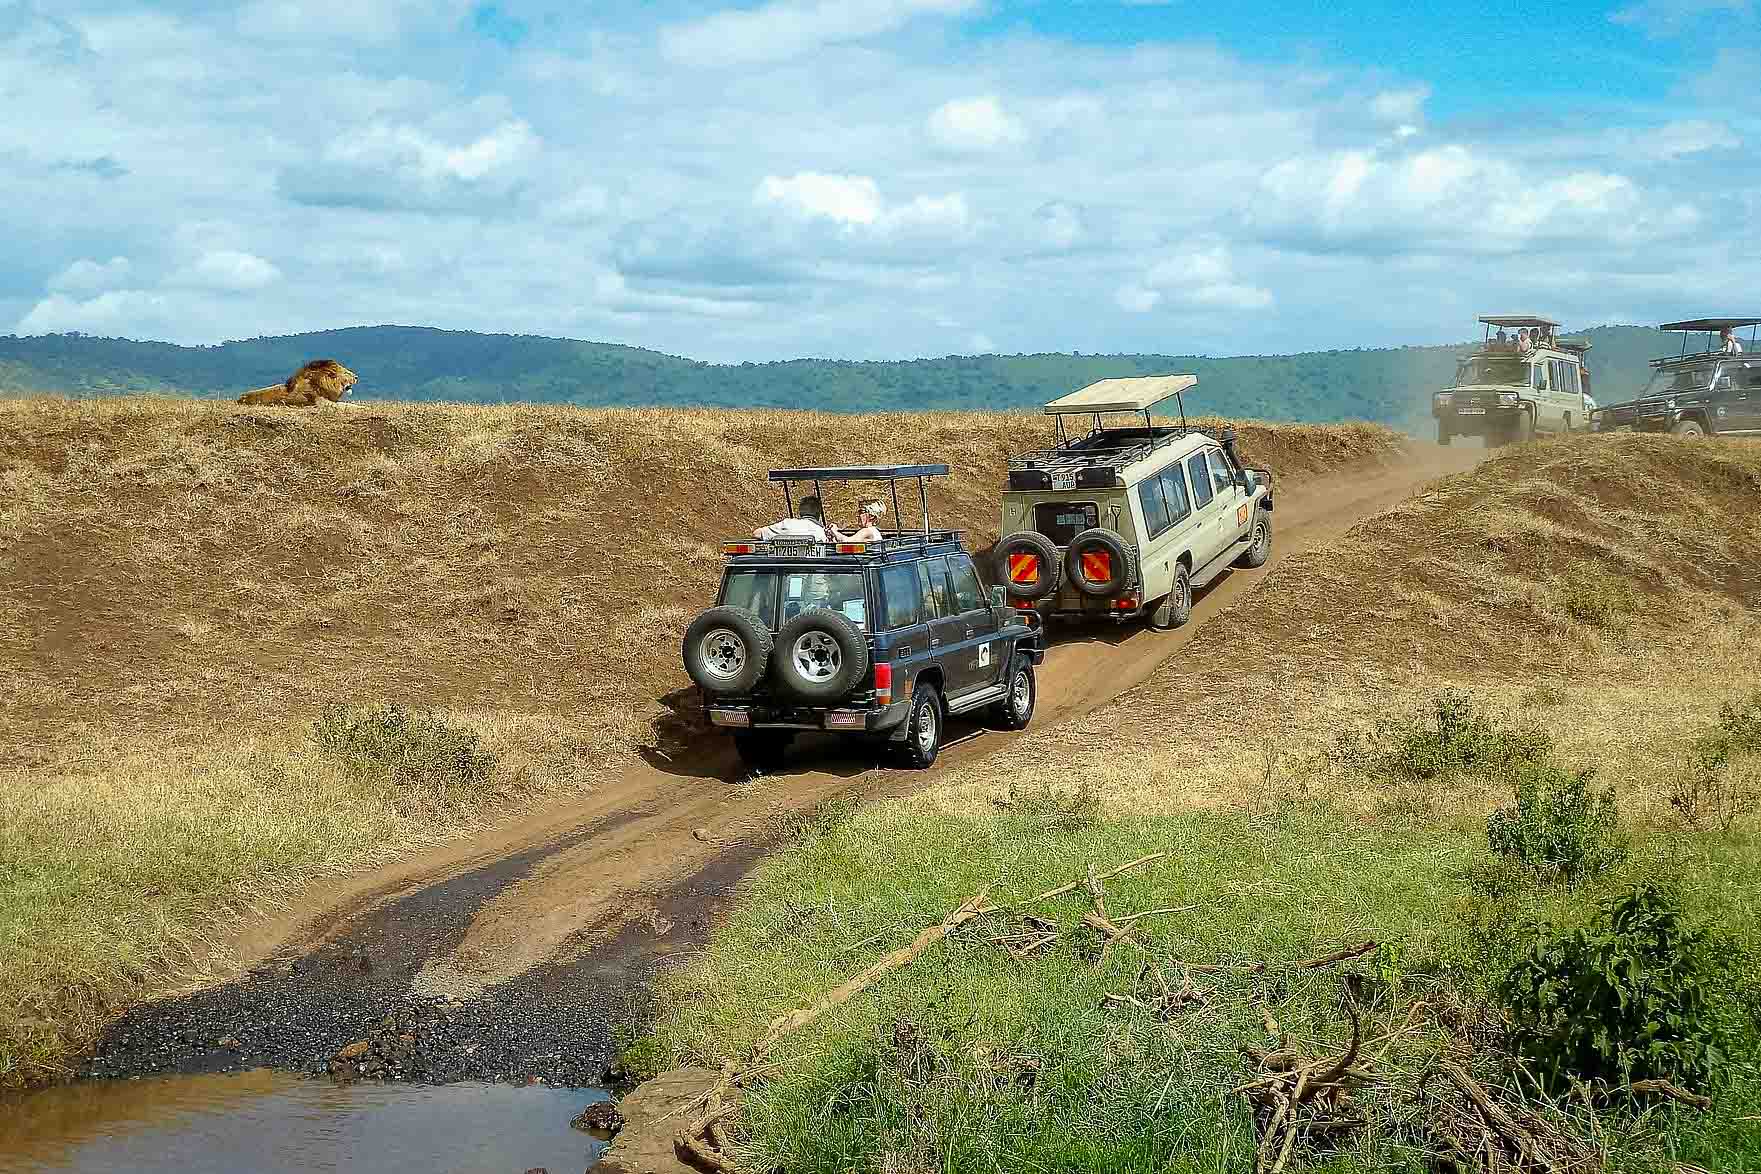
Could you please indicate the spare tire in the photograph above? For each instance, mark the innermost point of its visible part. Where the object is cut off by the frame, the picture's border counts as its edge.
(726, 649)
(820, 655)
(1099, 564)
(1027, 565)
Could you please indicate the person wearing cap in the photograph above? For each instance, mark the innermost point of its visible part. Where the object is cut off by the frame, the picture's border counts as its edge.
(867, 515)
(806, 525)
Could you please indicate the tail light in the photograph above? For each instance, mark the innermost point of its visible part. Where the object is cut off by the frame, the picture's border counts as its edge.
(852, 547)
(1125, 604)
(738, 548)
(1024, 568)
(883, 683)
(1097, 566)
(1023, 605)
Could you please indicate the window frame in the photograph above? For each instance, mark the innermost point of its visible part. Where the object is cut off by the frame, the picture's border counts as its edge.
(1228, 470)
(886, 593)
(925, 576)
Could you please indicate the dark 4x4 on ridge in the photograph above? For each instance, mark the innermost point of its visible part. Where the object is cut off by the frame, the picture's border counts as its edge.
(1715, 391)
(882, 640)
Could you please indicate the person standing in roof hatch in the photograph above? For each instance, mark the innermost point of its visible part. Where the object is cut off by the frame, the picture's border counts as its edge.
(805, 525)
(1727, 342)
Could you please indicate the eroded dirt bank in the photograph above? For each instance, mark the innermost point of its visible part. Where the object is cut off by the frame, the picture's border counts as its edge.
(513, 955)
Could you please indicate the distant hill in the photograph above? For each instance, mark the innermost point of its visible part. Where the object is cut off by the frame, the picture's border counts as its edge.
(1389, 386)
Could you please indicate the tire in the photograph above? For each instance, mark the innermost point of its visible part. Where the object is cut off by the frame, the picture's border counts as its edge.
(1123, 563)
(820, 655)
(1260, 549)
(1524, 431)
(1688, 428)
(763, 750)
(1024, 542)
(923, 729)
(1015, 710)
(1175, 608)
(726, 649)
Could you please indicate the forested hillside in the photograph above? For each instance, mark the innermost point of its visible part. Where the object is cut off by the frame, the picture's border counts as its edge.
(417, 363)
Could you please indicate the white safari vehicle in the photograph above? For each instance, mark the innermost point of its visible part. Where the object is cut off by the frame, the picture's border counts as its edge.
(1115, 523)
(1506, 393)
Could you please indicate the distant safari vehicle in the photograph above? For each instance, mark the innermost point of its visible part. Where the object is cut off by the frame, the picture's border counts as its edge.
(1114, 523)
(1506, 393)
(881, 640)
(1710, 391)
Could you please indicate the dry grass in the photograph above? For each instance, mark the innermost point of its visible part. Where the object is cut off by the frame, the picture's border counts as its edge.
(184, 585)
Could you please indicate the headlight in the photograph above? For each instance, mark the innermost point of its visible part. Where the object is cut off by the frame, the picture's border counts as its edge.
(1507, 399)
(1443, 398)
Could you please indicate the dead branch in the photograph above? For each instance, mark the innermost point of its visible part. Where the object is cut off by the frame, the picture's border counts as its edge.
(1077, 884)
(1664, 1088)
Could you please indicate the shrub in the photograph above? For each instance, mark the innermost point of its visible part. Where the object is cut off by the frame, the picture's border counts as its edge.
(1716, 787)
(416, 746)
(1452, 738)
(1557, 826)
(1601, 601)
(1631, 996)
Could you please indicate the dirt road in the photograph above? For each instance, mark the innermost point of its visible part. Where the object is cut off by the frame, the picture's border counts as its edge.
(531, 937)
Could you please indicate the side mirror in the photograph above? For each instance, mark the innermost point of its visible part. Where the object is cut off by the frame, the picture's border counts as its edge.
(999, 598)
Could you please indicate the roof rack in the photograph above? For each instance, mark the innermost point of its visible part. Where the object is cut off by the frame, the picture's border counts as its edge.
(1712, 326)
(1106, 448)
(890, 542)
(839, 474)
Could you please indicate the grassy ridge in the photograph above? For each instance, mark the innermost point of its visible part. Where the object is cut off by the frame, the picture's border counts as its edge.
(1389, 385)
(1558, 586)
(185, 587)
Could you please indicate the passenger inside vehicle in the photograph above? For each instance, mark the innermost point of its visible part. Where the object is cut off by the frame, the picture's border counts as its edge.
(867, 515)
(805, 525)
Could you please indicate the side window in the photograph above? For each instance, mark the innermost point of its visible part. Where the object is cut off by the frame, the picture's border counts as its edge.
(901, 596)
(1539, 377)
(1155, 511)
(1222, 477)
(1752, 376)
(932, 582)
(1174, 492)
(1201, 479)
(968, 593)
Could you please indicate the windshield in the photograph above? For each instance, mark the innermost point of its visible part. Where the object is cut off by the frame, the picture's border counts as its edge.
(758, 591)
(1672, 382)
(1492, 369)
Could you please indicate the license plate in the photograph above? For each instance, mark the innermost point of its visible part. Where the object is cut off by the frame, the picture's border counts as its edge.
(1063, 480)
(730, 717)
(1470, 411)
(846, 720)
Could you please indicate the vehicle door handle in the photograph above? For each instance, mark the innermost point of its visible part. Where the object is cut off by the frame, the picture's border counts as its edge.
(903, 649)
(935, 643)
(970, 631)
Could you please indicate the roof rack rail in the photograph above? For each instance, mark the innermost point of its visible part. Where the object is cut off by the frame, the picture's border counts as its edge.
(1102, 449)
(891, 541)
(839, 474)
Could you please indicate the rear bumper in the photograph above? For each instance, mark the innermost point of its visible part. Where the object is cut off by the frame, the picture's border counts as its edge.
(836, 719)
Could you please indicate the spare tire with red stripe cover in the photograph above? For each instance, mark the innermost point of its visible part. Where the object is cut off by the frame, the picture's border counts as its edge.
(1027, 565)
(1099, 563)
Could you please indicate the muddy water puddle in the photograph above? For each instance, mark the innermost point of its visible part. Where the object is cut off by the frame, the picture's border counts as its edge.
(271, 1122)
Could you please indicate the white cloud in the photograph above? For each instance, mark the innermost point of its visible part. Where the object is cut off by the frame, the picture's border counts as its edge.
(789, 28)
(85, 276)
(1689, 137)
(228, 269)
(1405, 106)
(1136, 299)
(125, 313)
(385, 165)
(847, 199)
(974, 125)
(1059, 223)
(375, 21)
(1201, 275)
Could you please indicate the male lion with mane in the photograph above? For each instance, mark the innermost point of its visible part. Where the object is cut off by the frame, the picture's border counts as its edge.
(321, 379)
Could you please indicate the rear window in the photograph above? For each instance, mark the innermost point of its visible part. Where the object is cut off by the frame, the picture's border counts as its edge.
(1062, 521)
(759, 591)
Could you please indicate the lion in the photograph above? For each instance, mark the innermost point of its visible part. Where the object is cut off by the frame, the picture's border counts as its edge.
(320, 380)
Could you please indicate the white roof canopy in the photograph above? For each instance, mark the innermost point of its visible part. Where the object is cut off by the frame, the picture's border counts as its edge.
(1121, 395)
(1518, 320)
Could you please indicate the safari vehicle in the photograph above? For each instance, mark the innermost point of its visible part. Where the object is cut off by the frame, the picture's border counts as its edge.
(881, 640)
(1506, 395)
(1120, 522)
(1702, 392)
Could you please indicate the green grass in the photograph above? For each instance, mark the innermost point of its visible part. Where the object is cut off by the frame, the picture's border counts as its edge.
(931, 1068)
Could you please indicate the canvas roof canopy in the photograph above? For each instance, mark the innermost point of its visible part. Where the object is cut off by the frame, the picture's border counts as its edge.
(1710, 323)
(1121, 395)
(1517, 320)
(859, 473)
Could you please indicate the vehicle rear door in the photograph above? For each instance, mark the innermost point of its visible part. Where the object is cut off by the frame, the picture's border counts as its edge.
(1738, 406)
(1206, 511)
(946, 629)
(907, 627)
(977, 652)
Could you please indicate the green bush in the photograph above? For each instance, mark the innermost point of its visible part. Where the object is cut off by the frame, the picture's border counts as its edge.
(1557, 826)
(1601, 601)
(1631, 996)
(415, 746)
(1715, 788)
(1452, 738)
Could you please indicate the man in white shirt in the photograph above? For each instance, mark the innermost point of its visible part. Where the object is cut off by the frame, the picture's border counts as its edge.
(1727, 337)
(807, 525)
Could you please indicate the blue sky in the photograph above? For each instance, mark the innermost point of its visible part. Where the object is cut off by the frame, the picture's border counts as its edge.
(875, 178)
